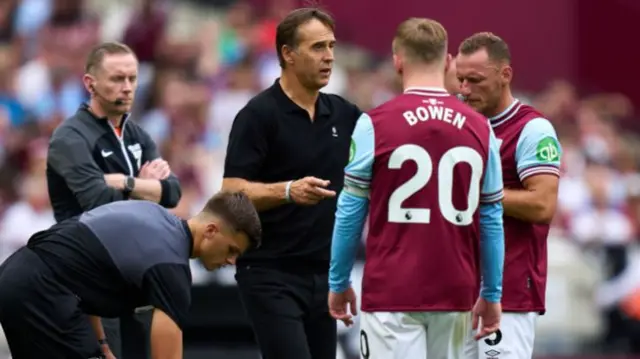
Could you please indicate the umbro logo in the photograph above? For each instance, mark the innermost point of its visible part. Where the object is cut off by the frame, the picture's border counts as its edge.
(106, 154)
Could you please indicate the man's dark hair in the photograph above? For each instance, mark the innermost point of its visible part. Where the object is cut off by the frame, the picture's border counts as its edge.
(237, 210)
(287, 31)
(496, 48)
(97, 54)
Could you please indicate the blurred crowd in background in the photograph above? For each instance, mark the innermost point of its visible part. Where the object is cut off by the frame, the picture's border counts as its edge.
(200, 65)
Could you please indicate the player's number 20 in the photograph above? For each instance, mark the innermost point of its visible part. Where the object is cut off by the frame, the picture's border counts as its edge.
(424, 163)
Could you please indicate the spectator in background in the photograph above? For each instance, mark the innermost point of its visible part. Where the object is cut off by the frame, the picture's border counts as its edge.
(50, 84)
(146, 30)
(33, 208)
(14, 110)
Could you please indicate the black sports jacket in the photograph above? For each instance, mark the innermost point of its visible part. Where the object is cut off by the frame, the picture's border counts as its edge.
(83, 149)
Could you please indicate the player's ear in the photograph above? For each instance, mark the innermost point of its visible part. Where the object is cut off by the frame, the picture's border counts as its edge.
(506, 74)
(447, 63)
(211, 229)
(397, 63)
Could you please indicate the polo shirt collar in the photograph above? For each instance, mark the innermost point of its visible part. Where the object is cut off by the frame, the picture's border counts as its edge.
(285, 103)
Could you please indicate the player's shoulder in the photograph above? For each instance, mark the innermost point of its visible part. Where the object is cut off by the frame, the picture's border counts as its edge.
(534, 120)
(530, 110)
(537, 128)
(528, 113)
(399, 103)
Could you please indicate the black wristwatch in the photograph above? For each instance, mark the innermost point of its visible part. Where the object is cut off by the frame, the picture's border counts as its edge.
(129, 184)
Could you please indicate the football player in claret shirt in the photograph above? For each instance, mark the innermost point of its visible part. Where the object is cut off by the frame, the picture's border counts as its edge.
(426, 168)
(530, 153)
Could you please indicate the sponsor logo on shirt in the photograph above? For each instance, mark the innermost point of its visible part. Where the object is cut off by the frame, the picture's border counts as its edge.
(548, 150)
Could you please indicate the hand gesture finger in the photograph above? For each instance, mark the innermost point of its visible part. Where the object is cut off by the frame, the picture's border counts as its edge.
(321, 192)
(302, 192)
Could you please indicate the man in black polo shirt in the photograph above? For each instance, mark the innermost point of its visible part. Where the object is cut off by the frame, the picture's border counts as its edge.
(110, 260)
(287, 150)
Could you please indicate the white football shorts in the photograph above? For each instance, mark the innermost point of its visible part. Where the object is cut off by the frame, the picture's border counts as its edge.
(416, 335)
(514, 340)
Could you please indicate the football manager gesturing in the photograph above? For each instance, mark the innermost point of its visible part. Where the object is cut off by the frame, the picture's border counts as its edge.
(287, 150)
(98, 156)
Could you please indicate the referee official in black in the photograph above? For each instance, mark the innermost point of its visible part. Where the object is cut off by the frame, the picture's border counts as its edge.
(287, 150)
(97, 157)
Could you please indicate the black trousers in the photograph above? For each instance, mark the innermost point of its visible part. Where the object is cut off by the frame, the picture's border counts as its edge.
(288, 312)
(41, 318)
(129, 337)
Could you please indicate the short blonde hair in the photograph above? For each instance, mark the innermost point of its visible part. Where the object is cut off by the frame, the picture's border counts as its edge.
(421, 40)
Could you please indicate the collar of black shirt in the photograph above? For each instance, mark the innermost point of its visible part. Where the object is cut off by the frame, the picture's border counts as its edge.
(85, 107)
(185, 224)
(285, 103)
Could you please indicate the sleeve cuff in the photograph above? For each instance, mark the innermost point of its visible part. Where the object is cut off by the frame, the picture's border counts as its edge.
(165, 196)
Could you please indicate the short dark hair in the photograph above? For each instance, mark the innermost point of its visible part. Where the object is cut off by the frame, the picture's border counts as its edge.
(237, 210)
(97, 54)
(287, 30)
(496, 48)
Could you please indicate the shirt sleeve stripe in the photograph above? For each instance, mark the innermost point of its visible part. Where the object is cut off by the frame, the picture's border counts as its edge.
(492, 197)
(357, 181)
(538, 170)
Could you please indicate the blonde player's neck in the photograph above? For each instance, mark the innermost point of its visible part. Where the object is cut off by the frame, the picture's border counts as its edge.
(297, 92)
(423, 78)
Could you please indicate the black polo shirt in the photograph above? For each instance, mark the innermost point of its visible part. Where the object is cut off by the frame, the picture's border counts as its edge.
(274, 140)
